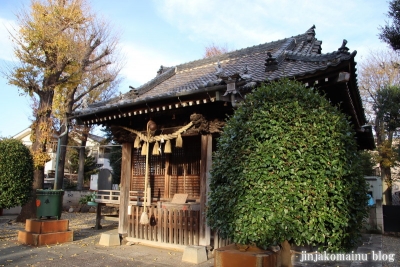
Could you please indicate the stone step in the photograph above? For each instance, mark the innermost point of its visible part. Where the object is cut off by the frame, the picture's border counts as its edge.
(34, 239)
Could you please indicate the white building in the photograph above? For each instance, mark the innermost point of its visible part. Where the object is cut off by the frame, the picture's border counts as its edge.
(94, 143)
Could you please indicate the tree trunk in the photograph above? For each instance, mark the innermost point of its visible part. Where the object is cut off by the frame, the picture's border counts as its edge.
(286, 255)
(28, 210)
(39, 137)
(82, 156)
(61, 162)
(64, 139)
(386, 174)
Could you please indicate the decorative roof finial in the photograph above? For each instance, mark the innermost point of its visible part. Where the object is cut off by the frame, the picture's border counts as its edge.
(246, 76)
(245, 69)
(311, 30)
(343, 48)
(161, 70)
(218, 68)
(271, 63)
(244, 73)
(219, 71)
(311, 33)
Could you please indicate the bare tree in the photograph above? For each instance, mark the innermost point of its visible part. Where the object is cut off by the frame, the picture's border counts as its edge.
(82, 131)
(212, 50)
(97, 80)
(380, 70)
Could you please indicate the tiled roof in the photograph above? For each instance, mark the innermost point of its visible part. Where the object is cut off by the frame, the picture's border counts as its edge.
(290, 57)
(96, 138)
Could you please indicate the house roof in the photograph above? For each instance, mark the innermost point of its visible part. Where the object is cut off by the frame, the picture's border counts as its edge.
(295, 56)
(96, 138)
(22, 134)
(27, 132)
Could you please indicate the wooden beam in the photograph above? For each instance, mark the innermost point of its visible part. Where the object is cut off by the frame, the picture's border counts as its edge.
(126, 171)
(205, 166)
(208, 177)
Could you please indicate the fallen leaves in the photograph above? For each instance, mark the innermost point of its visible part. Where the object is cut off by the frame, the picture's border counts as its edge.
(85, 240)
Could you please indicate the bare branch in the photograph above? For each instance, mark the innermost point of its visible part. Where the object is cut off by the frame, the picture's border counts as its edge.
(212, 50)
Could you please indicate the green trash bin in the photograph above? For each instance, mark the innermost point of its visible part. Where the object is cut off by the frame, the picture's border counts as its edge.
(49, 203)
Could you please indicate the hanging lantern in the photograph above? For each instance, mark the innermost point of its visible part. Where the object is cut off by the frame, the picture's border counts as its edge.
(167, 148)
(156, 152)
(179, 141)
(136, 144)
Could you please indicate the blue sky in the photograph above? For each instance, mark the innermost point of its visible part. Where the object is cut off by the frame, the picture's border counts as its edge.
(170, 32)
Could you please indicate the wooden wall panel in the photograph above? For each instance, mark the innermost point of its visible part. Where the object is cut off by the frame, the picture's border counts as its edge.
(183, 168)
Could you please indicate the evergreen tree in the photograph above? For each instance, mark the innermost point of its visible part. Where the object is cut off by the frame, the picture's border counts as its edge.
(387, 106)
(16, 173)
(115, 157)
(287, 169)
(115, 163)
(390, 33)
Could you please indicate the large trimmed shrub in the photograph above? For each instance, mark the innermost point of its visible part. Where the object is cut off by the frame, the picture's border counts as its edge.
(16, 173)
(287, 168)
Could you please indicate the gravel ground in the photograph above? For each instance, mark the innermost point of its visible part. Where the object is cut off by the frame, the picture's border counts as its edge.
(391, 245)
(85, 249)
(81, 223)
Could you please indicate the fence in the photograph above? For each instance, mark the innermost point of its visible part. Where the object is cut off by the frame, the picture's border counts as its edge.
(218, 242)
(167, 225)
(179, 227)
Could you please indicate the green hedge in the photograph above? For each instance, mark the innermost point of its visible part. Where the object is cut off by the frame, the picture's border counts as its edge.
(16, 173)
(287, 168)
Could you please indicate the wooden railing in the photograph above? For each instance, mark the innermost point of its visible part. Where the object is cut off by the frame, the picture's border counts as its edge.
(107, 196)
(135, 197)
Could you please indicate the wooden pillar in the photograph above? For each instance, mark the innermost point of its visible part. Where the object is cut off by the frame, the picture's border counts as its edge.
(205, 167)
(126, 172)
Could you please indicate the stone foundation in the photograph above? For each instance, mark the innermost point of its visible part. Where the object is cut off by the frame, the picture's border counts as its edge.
(230, 256)
(45, 232)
